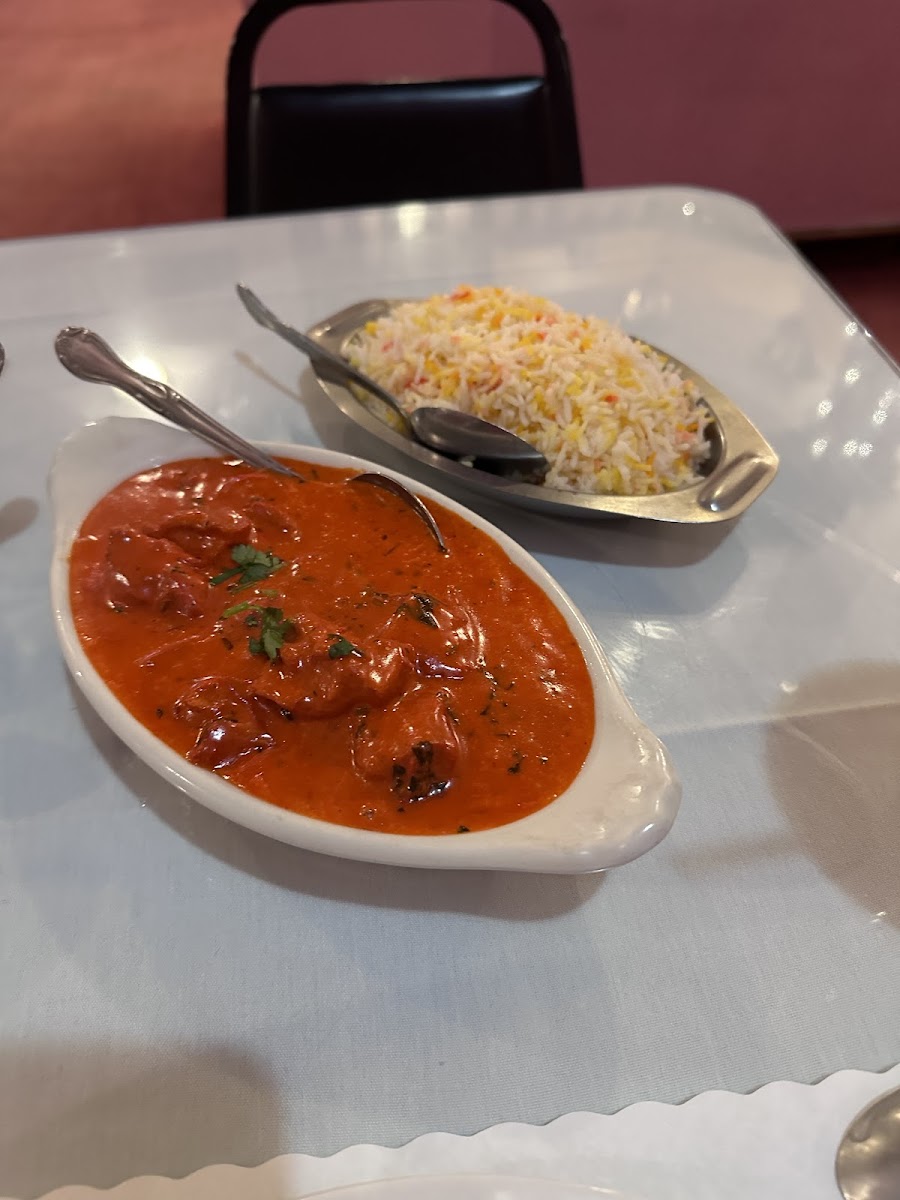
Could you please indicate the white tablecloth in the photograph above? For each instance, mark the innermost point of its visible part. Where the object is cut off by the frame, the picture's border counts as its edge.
(177, 992)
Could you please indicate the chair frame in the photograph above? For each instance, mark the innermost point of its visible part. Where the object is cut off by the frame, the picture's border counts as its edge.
(259, 18)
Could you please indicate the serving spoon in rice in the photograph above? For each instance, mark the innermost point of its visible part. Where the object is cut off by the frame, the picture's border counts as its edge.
(447, 430)
(87, 356)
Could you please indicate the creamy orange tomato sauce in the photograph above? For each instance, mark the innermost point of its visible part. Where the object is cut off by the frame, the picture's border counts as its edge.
(310, 643)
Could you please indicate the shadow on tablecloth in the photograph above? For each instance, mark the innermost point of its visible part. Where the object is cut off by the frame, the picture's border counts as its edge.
(833, 752)
(16, 516)
(97, 1113)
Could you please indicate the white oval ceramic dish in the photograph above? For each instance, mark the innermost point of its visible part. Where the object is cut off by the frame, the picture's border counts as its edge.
(622, 803)
(469, 1187)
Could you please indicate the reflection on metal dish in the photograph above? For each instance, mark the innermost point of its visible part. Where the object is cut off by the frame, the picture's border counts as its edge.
(740, 467)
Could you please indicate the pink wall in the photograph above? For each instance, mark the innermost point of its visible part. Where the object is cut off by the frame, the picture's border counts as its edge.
(794, 105)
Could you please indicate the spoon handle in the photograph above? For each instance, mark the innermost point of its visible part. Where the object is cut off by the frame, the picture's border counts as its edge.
(88, 357)
(316, 352)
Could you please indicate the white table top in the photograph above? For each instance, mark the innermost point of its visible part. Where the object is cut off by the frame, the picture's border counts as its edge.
(176, 991)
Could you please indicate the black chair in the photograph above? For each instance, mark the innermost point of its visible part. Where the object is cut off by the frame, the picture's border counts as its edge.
(298, 147)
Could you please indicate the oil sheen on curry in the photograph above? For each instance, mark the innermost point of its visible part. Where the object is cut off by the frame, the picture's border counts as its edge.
(309, 642)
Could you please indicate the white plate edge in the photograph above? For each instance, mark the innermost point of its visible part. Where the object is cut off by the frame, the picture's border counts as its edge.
(621, 730)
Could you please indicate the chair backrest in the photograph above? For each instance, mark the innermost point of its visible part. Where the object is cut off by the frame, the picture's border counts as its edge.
(309, 146)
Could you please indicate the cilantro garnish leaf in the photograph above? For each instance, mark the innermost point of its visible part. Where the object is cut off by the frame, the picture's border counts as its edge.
(274, 629)
(237, 608)
(251, 565)
(342, 648)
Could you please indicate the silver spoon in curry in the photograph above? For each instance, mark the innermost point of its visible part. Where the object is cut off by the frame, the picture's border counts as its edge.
(87, 356)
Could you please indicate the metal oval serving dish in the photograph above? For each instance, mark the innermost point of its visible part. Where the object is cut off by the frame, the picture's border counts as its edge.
(741, 465)
(620, 805)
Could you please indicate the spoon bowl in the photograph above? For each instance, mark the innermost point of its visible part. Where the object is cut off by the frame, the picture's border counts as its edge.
(446, 430)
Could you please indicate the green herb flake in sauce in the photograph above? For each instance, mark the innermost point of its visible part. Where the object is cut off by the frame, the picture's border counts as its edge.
(251, 566)
(274, 631)
(237, 608)
(342, 648)
(420, 609)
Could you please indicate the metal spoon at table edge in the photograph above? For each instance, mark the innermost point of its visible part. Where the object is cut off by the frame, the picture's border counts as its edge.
(867, 1164)
(87, 356)
(446, 430)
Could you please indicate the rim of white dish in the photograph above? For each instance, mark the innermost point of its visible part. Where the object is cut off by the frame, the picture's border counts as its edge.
(620, 805)
(470, 1186)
